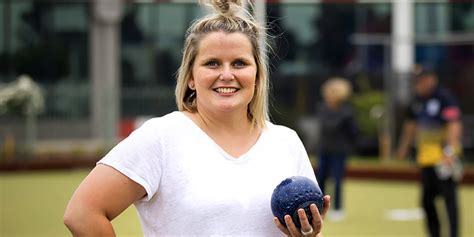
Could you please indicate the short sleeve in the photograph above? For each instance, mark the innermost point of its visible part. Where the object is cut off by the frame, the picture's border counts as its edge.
(450, 110)
(140, 157)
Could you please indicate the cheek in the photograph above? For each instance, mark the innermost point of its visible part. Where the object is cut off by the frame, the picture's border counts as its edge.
(250, 77)
(201, 77)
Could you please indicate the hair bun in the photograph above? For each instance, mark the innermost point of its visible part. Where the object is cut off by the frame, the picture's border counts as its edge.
(225, 7)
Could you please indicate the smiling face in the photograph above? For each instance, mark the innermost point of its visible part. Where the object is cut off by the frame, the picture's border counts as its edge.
(224, 73)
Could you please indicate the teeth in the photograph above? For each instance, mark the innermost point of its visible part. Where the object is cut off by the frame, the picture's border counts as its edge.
(226, 90)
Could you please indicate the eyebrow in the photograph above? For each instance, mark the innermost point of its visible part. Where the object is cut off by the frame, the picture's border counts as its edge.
(242, 58)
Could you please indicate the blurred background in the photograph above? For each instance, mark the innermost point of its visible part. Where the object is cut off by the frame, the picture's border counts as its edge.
(77, 76)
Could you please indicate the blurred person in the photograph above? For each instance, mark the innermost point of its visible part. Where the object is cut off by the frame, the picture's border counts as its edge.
(337, 133)
(211, 167)
(434, 119)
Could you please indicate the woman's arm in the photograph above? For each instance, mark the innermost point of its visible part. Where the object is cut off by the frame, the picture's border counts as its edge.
(101, 197)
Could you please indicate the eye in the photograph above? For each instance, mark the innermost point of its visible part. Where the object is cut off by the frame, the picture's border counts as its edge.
(212, 63)
(240, 64)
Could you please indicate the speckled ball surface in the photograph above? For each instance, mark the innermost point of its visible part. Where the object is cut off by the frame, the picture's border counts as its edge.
(294, 193)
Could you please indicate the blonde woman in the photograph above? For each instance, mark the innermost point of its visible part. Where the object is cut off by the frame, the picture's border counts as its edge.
(211, 167)
(337, 133)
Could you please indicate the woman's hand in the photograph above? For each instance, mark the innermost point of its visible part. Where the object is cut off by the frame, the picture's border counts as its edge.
(307, 229)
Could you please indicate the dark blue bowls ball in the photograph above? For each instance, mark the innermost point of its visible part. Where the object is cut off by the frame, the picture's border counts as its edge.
(294, 193)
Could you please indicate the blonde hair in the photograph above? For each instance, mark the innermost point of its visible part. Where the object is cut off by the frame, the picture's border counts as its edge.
(229, 17)
(337, 87)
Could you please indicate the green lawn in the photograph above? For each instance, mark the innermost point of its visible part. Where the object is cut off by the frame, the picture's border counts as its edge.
(32, 204)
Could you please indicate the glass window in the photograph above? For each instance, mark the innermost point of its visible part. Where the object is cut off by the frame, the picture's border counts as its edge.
(2, 27)
(3, 41)
(462, 17)
(49, 42)
(445, 43)
(432, 18)
(152, 40)
(311, 42)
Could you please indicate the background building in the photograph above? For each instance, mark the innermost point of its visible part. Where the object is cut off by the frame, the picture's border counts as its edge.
(104, 65)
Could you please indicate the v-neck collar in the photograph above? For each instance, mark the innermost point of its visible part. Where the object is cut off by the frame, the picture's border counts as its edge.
(224, 153)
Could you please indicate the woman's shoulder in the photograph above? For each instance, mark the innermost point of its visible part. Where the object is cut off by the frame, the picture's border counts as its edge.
(168, 121)
(282, 137)
(172, 117)
(280, 130)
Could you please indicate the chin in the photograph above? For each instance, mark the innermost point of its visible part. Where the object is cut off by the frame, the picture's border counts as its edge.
(230, 108)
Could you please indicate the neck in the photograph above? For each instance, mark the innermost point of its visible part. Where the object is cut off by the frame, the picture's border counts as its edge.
(232, 132)
(231, 123)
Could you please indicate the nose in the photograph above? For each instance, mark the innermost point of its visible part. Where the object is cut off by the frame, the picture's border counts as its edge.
(226, 73)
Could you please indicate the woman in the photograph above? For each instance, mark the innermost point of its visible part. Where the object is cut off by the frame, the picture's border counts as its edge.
(211, 167)
(338, 131)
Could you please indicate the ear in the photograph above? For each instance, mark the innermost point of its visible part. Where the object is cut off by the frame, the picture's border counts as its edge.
(191, 84)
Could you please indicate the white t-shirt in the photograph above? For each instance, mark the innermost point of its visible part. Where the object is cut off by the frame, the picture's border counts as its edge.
(194, 188)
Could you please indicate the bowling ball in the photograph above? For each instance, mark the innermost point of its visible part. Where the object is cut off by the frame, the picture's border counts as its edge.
(294, 193)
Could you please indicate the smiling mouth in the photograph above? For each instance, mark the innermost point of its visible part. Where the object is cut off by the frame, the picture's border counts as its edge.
(225, 90)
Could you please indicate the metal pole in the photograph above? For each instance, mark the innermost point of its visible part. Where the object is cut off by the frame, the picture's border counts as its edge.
(31, 128)
(402, 60)
(387, 136)
(402, 46)
(105, 69)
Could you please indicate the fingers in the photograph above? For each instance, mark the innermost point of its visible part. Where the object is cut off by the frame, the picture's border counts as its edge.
(294, 231)
(326, 205)
(449, 160)
(280, 226)
(291, 230)
(305, 225)
(317, 218)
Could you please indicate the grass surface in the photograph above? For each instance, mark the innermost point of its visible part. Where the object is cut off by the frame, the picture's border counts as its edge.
(32, 204)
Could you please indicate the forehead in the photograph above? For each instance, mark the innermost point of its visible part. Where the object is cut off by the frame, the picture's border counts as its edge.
(222, 43)
(424, 78)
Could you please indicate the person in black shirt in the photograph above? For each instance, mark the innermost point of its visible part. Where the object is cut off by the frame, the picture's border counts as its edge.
(337, 133)
(434, 120)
